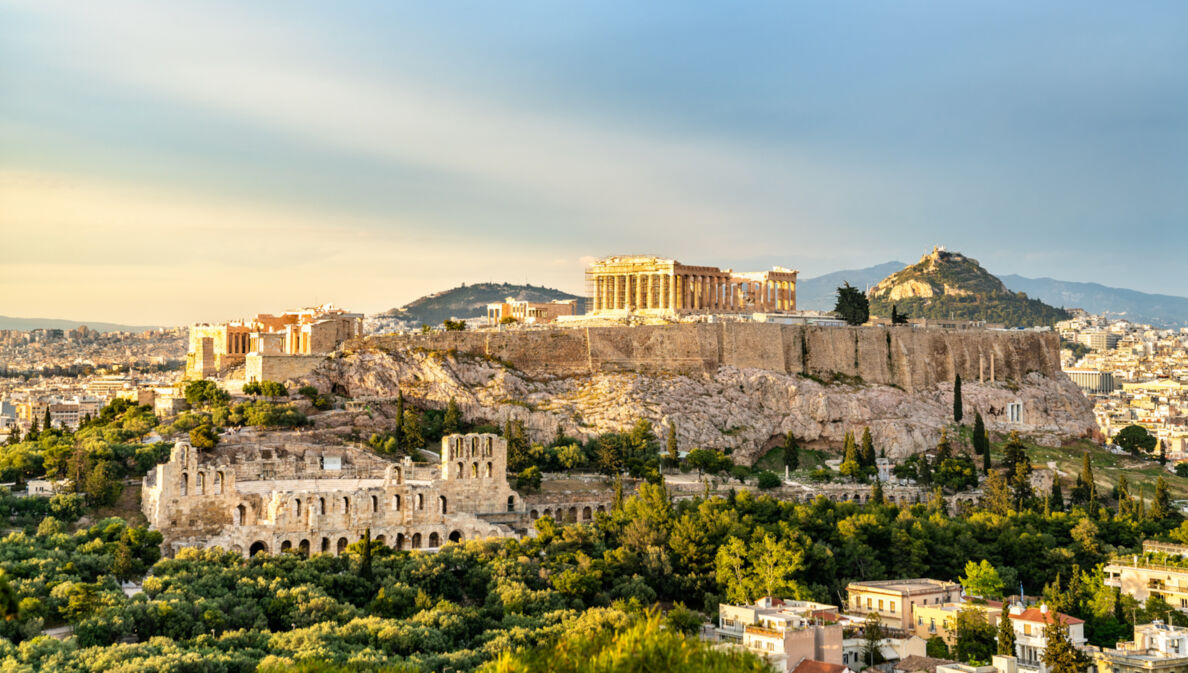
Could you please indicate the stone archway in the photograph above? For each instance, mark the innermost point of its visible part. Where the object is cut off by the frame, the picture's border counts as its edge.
(342, 545)
(303, 548)
(399, 541)
(434, 540)
(258, 547)
(286, 546)
(325, 545)
(456, 536)
(586, 514)
(416, 541)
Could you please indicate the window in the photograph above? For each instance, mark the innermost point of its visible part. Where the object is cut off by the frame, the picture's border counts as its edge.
(868, 603)
(880, 605)
(892, 606)
(1027, 629)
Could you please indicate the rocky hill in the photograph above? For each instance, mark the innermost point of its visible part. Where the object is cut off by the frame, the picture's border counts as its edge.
(728, 397)
(468, 301)
(949, 285)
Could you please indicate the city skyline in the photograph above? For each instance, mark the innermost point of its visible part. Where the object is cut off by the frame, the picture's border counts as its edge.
(167, 164)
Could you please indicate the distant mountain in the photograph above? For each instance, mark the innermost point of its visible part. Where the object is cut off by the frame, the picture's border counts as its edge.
(26, 324)
(1160, 310)
(820, 293)
(949, 285)
(469, 301)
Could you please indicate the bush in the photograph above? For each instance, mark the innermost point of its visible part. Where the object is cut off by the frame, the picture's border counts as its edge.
(769, 479)
(529, 479)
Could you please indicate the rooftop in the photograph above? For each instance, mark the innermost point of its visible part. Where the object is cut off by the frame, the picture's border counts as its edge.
(905, 586)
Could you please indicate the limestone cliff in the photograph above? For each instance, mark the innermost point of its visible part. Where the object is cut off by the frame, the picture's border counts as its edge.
(745, 406)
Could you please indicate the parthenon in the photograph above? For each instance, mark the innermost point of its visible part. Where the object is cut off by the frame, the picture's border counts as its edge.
(653, 285)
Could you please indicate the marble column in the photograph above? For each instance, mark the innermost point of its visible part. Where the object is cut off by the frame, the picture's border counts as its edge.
(615, 293)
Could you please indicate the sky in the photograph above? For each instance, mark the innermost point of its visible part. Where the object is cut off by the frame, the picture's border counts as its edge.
(172, 162)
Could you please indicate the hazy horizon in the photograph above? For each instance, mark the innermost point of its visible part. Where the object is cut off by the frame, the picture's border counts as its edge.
(164, 164)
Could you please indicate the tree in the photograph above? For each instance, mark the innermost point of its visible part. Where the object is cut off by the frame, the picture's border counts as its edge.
(1161, 505)
(410, 431)
(981, 441)
(982, 580)
(365, 561)
(451, 325)
(867, 453)
(1006, 632)
(9, 602)
(958, 412)
(47, 422)
(1060, 655)
(852, 305)
(529, 479)
(850, 466)
(872, 635)
(1181, 468)
(452, 421)
(769, 480)
(103, 486)
(876, 493)
(936, 648)
(975, 636)
(673, 453)
(204, 437)
(397, 431)
(1056, 498)
(773, 565)
(996, 495)
(898, 318)
(570, 456)
(1135, 438)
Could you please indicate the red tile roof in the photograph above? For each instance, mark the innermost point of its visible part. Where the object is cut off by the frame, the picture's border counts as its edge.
(1035, 615)
(814, 666)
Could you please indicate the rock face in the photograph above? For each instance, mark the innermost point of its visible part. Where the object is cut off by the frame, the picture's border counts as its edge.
(739, 404)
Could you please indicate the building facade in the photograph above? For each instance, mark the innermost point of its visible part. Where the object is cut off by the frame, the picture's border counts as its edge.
(1156, 648)
(784, 632)
(253, 497)
(530, 312)
(655, 286)
(307, 332)
(895, 600)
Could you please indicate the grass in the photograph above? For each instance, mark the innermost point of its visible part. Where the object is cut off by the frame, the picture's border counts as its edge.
(1107, 467)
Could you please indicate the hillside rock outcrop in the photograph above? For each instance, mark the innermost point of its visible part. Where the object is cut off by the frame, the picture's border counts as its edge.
(746, 408)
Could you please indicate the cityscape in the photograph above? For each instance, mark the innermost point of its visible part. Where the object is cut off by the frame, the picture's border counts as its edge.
(571, 338)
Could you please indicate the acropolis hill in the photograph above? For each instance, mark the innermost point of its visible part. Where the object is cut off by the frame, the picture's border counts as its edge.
(724, 385)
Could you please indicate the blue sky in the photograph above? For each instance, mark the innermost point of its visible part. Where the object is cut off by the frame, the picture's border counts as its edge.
(169, 162)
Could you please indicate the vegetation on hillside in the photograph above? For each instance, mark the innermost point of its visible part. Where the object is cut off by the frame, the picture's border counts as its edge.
(961, 290)
(468, 301)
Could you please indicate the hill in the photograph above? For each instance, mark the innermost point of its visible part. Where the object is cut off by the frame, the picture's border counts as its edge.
(1160, 310)
(949, 285)
(468, 301)
(26, 324)
(820, 293)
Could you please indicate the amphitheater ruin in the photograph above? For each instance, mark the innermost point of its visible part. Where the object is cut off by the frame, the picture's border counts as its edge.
(278, 493)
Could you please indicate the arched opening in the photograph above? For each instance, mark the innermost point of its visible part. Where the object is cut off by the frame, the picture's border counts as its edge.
(303, 547)
(434, 540)
(240, 516)
(200, 483)
(474, 470)
(586, 514)
(342, 545)
(257, 548)
(572, 514)
(374, 503)
(322, 506)
(488, 475)
(534, 515)
(420, 501)
(511, 503)
(459, 473)
(400, 541)
(441, 501)
(399, 475)
(346, 506)
(325, 545)
(218, 483)
(416, 541)
(185, 484)
(381, 539)
(396, 503)
(286, 546)
(456, 536)
(602, 508)
(297, 508)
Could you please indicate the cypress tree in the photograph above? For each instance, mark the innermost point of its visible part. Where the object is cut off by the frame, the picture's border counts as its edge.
(1006, 631)
(850, 466)
(33, 429)
(1161, 505)
(48, 422)
(452, 422)
(957, 410)
(397, 432)
(365, 569)
(1056, 499)
(876, 493)
(791, 452)
(981, 441)
(674, 454)
(867, 456)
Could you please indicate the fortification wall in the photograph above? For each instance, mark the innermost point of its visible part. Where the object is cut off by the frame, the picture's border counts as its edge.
(911, 359)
